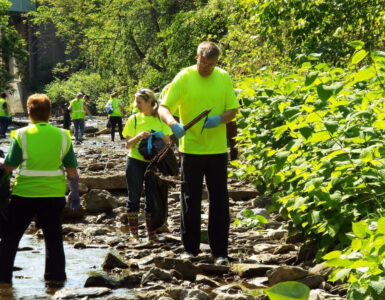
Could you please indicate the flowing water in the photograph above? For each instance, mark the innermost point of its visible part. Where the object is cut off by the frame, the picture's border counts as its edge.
(28, 283)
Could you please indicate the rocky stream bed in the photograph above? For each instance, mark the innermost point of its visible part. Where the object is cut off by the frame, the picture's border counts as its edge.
(259, 258)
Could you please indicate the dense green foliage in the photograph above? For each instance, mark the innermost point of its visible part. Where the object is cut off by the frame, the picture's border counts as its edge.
(363, 262)
(313, 139)
(278, 33)
(11, 46)
(132, 43)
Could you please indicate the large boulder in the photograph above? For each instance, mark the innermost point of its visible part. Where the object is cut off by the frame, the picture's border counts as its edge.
(98, 201)
(107, 182)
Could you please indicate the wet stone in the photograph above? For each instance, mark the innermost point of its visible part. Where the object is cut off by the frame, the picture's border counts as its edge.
(68, 293)
(101, 281)
(112, 261)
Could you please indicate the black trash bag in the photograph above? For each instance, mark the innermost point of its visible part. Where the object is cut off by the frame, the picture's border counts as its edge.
(159, 212)
(4, 198)
(168, 165)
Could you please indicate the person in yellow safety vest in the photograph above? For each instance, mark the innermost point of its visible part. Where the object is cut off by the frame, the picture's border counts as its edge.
(78, 108)
(115, 114)
(5, 115)
(42, 154)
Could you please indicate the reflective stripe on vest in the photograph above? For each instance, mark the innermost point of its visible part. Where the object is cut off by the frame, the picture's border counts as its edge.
(77, 109)
(39, 173)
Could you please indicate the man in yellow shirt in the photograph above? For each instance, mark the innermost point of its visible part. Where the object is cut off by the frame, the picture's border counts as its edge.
(204, 151)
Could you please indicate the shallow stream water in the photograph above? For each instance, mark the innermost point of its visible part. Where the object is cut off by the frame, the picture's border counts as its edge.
(29, 283)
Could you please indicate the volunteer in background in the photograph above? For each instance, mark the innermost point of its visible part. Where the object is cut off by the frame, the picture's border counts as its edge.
(5, 115)
(115, 112)
(78, 108)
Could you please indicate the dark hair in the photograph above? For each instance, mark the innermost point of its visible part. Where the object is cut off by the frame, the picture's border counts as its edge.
(208, 49)
(149, 95)
(3, 95)
(39, 107)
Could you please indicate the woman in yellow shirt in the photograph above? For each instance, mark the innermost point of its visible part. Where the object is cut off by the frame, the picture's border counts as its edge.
(141, 126)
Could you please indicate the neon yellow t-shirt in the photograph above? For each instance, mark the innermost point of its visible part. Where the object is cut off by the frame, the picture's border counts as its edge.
(143, 123)
(190, 94)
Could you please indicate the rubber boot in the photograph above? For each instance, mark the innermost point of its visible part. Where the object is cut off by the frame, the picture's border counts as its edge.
(151, 233)
(133, 223)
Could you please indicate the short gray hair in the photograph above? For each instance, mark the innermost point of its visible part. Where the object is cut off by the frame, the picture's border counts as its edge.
(208, 49)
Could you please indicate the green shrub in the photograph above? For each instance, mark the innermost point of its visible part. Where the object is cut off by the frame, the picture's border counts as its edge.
(362, 264)
(313, 139)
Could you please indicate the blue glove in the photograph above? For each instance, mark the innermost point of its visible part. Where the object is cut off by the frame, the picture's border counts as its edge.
(178, 130)
(158, 134)
(73, 197)
(90, 117)
(149, 144)
(212, 122)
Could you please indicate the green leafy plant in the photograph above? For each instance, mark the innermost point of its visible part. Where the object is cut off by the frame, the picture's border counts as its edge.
(362, 264)
(250, 220)
(289, 290)
(312, 138)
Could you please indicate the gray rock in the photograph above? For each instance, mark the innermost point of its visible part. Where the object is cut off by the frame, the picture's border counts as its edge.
(129, 281)
(185, 267)
(155, 274)
(108, 182)
(201, 279)
(276, 234)
(211, 269)
(68, 293)
(263, 247)
(286, 273)
(111, 261)
(232, 288)
(95, 231)
(101, 281)
(319, 294)
(322, 270)
(312, 281)
(284, 249)
(98, 201)
(241, 195)
(223, 296)
(252, 270)
(194, 294)
(80, 245)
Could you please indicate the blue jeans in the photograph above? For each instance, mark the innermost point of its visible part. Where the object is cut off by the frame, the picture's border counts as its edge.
(79, 128)
(3, 125)
(135, 179)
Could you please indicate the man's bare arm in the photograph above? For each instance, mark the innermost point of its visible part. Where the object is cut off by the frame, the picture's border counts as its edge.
(166, 116)
(229, 115)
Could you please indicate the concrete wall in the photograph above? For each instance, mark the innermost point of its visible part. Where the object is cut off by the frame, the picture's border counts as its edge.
(44, 53)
